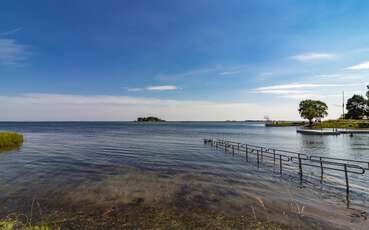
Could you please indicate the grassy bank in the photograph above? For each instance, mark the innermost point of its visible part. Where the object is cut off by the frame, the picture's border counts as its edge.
(284, 123)
(344, 124)
(10, 140)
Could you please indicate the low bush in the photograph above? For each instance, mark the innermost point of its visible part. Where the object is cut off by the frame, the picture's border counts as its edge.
(10, 140)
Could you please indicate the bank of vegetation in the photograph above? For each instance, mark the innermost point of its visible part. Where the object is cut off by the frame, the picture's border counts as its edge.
(356, 117)
(10, 140)
(343, 124)
(284, 123)
(149, 119)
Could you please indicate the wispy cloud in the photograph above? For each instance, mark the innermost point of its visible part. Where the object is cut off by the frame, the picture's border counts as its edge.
(361, 66)
(11, 32)
(162, 88)
(305, 57)
(218, 70)
(12, 52)
(154, 88)
(191, 73)
(134, 89)
(295, 90)
(231, 72)
(295, 86)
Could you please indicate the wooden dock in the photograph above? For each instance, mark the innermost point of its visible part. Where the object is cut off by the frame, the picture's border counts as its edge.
(317, 132)
(333, 132)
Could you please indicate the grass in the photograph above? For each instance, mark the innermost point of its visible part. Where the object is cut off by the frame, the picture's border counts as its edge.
(284, 123)
(14, 224)
(344, 124)
(10, 140)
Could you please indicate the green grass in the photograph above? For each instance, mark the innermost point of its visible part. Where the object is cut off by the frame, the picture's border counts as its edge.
(10, 140)
(284, 123)
(14, 224)
(344, 124)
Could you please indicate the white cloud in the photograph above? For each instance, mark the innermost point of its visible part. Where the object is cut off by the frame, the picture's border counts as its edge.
(280, 91)
(11, 52)
(49, 107)
(154, 88)
(162, 88)
(298, 91)
(361, 66)
(10, 32)
(314, 57)
(214, 71)
(134, 89)
(231, 72)
(294, 86)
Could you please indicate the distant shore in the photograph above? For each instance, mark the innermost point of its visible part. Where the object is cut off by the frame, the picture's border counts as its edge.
(284, 123)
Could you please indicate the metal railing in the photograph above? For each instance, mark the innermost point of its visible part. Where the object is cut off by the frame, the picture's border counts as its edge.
(283, 157)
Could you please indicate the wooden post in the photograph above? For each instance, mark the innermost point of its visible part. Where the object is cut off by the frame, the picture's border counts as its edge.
(261, 153)
(347, 187)
(257, 154)
(300, 168)
(274, 157)
(280, 164)
(247, 153)
(233, 150)
(321, 170)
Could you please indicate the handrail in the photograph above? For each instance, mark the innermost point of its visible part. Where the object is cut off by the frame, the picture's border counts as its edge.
(283, 156)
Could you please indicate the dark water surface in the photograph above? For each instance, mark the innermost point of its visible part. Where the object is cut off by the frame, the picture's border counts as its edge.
(107, 162)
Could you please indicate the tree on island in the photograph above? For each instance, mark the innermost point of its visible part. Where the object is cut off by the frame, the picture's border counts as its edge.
(357, 107)
(149, 119)
(312, 109)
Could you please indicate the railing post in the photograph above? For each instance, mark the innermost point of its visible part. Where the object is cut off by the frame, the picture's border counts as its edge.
(261, 153)
(233, 150)
(300, 168)
(347, 186)
(280, 164)
(257, 154)
(274, 157)
(247, 153)
(321, 170)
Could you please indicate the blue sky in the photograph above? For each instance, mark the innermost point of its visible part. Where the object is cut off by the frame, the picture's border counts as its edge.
(181, 60)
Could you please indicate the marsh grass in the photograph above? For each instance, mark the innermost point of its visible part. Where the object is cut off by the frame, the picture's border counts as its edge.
(344, 124)
(10, 140)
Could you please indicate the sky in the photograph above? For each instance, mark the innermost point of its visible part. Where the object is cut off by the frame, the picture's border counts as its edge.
(199, 60)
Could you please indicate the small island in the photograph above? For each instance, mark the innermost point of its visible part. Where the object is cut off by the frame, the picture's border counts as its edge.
(149, 119)
(10, 140)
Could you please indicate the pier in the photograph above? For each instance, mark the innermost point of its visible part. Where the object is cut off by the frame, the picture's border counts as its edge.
(334, 132)
(298, 161)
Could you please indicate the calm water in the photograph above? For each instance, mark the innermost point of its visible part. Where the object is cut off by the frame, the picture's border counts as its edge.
(86, 160)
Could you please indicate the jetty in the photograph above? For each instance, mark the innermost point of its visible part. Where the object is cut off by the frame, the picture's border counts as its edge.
(332, 131)
(293, 161)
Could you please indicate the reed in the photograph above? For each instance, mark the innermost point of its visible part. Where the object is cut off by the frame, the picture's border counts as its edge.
(10, 140)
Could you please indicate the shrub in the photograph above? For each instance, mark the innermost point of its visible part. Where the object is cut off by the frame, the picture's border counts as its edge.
(10, 140)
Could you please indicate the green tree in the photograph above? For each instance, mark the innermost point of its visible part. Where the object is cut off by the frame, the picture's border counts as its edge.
(312, 109)
(356, 107)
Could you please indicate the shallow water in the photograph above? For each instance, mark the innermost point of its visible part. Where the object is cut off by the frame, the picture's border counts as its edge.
(104, 163)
